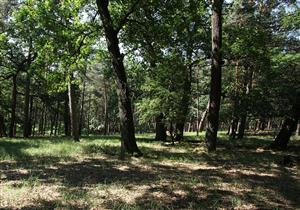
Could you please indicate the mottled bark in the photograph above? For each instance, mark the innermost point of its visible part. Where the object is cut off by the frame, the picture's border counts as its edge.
(216, 74)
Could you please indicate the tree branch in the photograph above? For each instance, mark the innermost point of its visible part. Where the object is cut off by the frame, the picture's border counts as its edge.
(125, 19)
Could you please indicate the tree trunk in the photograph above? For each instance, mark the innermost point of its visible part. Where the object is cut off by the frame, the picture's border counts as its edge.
(67, 124)
(26, 123)
(105, 110)
(41, 123)
(269, 126)
(128, 141)
(203, 118)
(233, 128)
(81, 120)
(242, 127)
(288, 127)
(216, 74)
(30, 115)
(13, 107)
(73, 108)
(160, 128)
(57, 116)
(179, 131)
(2, 126)
(34, 117)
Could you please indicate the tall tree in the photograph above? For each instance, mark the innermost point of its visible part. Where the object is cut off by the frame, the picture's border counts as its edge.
(216, 74)
(128, 141)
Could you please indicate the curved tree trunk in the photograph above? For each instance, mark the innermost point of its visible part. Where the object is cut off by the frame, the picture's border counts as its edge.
(287, 128)
(216, 74)
(128, 141)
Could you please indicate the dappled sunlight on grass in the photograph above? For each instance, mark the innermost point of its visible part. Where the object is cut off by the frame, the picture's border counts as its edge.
(58, 173)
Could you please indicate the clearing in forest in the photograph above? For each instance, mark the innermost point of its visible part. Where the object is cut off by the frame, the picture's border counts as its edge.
(56, 173)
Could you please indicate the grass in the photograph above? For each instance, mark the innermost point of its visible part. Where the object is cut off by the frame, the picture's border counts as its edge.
(56, 173)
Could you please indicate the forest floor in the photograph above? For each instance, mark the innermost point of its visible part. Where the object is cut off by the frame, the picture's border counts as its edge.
(56, 173)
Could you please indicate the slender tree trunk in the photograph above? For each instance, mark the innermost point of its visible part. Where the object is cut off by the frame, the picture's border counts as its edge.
(30, 116)
(57, 116)
(233, 128)
(269, 126)
(171, 132)
(105, 110)
(41, 123)
(88, 115)
(45, 121)
(26, 123)
(160, 128)
(203, 118)
(128, 141)
(13, 107)
(216, 74)
(189, 127)
(73, 110)
(34, 117)
(81, 121)
(242, 126)
(2, 126)
(67, 124)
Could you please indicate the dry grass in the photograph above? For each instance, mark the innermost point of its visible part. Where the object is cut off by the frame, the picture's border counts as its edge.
(60, 174)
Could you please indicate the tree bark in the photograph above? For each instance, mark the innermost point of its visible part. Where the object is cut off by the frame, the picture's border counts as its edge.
(216, 74)
(73, 108)
(128, 141)
(13, 107)
(160, 128)
(26, 123)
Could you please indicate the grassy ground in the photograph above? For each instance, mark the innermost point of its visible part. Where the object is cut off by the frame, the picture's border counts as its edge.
(55, 173)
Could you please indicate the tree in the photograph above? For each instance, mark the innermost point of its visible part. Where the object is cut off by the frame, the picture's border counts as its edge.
(128, 141)
(216, 74)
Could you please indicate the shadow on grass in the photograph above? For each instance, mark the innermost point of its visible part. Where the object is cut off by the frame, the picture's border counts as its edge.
(250, 176)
